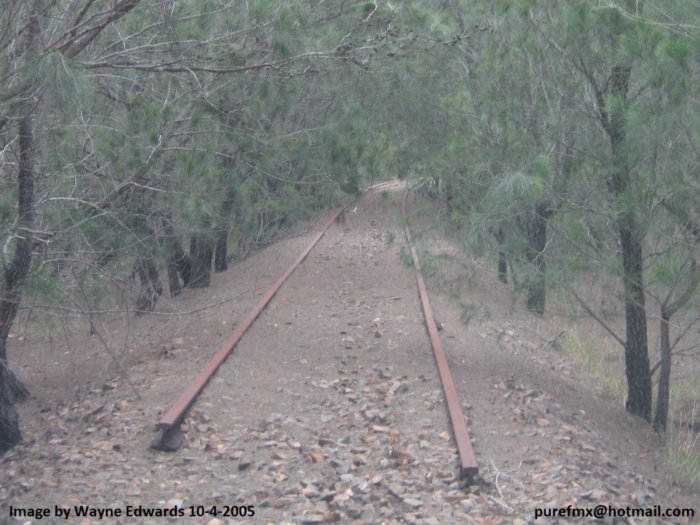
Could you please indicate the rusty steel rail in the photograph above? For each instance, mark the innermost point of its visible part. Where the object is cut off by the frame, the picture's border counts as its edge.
(171, 437)
(468, 468)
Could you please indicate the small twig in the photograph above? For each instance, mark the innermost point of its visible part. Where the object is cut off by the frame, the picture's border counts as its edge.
(117, 362)
(602, 323)
(495, 481)
(553, 340)
(500, 503)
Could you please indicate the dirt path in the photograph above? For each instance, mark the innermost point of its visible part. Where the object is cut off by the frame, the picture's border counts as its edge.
(330, 410)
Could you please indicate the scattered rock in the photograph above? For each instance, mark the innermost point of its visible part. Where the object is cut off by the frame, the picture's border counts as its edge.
(413, 502)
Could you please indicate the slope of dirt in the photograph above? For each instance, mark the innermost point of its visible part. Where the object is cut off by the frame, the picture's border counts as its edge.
(329, 409)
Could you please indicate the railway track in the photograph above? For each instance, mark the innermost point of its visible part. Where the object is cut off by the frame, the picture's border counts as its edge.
(171, 437)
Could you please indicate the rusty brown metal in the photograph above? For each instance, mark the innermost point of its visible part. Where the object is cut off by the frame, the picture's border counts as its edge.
(169, 423)
(468, 465)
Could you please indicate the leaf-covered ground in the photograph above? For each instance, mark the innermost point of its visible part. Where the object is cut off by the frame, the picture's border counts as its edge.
(329, 410)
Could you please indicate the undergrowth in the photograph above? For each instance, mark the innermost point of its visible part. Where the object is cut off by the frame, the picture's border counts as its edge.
(606, 362)
(683, 446)
(602, 360)
(450, 273)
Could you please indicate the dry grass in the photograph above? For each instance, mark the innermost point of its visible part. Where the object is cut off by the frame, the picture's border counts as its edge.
(603, 359)
(683, 447)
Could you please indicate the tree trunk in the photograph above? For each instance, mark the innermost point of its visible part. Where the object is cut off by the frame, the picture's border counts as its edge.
(630, 237)
(220, 254)
(173, 279)
(151, 287)
(502, 259)
(636, 344)
(502, 266)
(201, 254)
(10, 434)
(10, 291)
(176, 259)
(537, 242)
(178, 262)
(183, 265)
(668, 310)
(664, 393)
(9, 303)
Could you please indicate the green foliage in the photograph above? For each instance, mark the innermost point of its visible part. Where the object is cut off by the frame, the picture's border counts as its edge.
(512, 191)
(66, 84)
(469, 312)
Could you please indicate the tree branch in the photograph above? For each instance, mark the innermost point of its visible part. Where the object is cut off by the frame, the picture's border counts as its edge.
(602, 323)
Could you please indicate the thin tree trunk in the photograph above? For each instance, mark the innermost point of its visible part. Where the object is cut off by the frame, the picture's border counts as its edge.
(173, 280)
(630, 235)
(183, 264)
(177, 260)
(636, 344)
(151, 287)
(502, 266)
(502, 258)
(537, 242)
(664, 393)
(201, 254)
(220, 254)
(668, 310)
